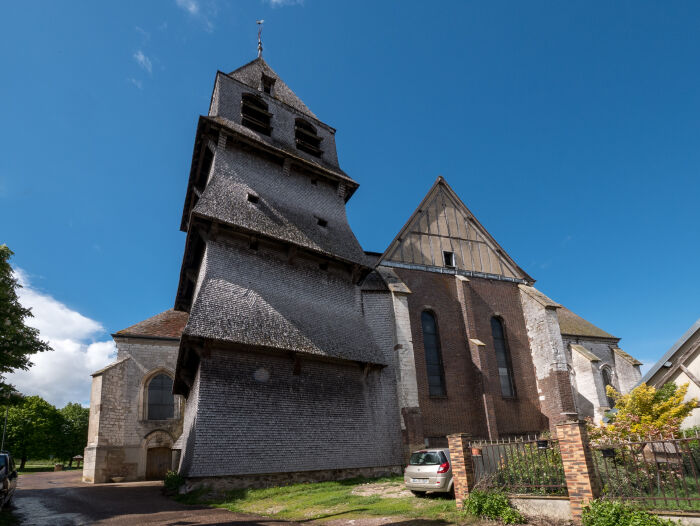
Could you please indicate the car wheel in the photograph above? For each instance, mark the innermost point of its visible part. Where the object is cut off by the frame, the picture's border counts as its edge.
(418, 493)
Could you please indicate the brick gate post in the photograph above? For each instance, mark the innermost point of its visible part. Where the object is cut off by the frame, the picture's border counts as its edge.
(462, 467)
(581, 478)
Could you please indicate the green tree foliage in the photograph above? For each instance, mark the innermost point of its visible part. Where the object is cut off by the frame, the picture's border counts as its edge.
(645, 411)
(17, 341)
(33, 429)
(74, 431)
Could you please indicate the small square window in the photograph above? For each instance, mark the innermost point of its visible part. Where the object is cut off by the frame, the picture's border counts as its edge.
(253, 198)
(267, 84)
(448, 258)
(322, 222)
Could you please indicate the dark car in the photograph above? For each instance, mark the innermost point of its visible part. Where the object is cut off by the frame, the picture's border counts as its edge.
(8, 478)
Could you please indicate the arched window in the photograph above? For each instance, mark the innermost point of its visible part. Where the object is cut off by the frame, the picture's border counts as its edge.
(433, 355)
(306, 137)
(505, 369)
(607, 381)
(254, 114)
(161, 401)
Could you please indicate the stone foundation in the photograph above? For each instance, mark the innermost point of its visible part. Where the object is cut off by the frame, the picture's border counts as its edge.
(265, 480)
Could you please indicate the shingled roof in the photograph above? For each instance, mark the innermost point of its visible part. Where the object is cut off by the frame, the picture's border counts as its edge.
(572, 324)
(252, 72)
(230, 312)
(168, 324)
(225, 199)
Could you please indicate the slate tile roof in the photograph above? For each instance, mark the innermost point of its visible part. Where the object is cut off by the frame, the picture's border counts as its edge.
(574, 325)
(239, 129)
(167, 324)
(229, 312)
(251, 73)
(225, 199)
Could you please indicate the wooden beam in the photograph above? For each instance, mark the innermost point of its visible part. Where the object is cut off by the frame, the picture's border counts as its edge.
(690, 375)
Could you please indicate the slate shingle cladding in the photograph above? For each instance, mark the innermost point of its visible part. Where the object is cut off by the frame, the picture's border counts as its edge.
(288, 209)
(282, 368)
(254, 298)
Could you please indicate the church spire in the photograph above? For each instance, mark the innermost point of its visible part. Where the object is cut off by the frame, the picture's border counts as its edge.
(260, 48)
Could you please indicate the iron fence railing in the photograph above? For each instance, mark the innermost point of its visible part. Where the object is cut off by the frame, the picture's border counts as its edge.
(655, 472)
(525, 465)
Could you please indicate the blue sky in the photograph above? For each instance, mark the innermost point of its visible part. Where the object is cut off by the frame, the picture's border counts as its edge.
(570, 129)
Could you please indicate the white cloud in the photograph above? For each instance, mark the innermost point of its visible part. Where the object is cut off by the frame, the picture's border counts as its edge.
(282, 3)
(62, 375)
(143, 61)
(201, 12)
(135, 82)
(191, 6)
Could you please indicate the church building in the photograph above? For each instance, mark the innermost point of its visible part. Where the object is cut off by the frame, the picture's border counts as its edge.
(294, 355)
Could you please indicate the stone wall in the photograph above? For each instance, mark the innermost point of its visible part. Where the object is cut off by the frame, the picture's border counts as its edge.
(548, 355)
(120, 432)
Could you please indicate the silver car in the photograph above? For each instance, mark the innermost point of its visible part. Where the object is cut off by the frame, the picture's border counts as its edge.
(429, 470)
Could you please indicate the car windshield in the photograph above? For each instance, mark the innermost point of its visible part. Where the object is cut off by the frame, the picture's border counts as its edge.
(425, 458)
(3, 461)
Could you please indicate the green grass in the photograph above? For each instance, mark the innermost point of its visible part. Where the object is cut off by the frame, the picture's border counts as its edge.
(335, 500)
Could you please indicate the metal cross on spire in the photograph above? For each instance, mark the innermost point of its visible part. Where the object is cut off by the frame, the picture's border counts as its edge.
(260, 26)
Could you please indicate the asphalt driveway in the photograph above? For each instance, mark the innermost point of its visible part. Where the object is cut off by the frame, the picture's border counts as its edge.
(62, 499)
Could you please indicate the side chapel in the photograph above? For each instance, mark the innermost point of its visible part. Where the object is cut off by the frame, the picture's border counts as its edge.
(292, 354)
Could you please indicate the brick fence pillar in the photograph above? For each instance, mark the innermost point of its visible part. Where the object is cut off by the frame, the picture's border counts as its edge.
(462, 467)
(581, 479)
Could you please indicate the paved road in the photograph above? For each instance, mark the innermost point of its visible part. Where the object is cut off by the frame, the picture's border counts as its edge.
(62, 499)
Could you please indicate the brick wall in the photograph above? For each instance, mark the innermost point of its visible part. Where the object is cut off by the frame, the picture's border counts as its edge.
(463, 409)
(581, 480)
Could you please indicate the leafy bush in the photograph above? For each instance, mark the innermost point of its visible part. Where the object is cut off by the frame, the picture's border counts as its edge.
(616, 513)
(173, 481)
(492, 505)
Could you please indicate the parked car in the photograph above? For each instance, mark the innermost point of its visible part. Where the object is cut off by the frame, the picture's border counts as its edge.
(429, 470)
(8, 478)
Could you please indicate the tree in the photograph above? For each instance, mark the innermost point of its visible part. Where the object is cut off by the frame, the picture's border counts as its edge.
(74, 431)
(33, 427)
(17, 341)
(645, 411)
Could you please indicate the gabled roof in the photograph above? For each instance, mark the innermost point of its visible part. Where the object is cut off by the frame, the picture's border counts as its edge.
(571, 324)
(442, 222)
(671, 352)
(251, 74)
(168, 324)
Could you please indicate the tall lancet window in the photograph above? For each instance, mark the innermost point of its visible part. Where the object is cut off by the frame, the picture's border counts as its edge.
(433, 354)
(161, 402)
(254, 114)
(505, 369)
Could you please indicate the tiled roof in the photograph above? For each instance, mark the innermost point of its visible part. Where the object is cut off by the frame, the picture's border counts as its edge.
(258, 307)
(251, 74)
(277, 215)
(574, 325)
(167, 324)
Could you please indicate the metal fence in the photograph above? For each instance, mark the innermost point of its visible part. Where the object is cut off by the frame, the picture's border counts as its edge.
(526, 465)
(654, 472)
